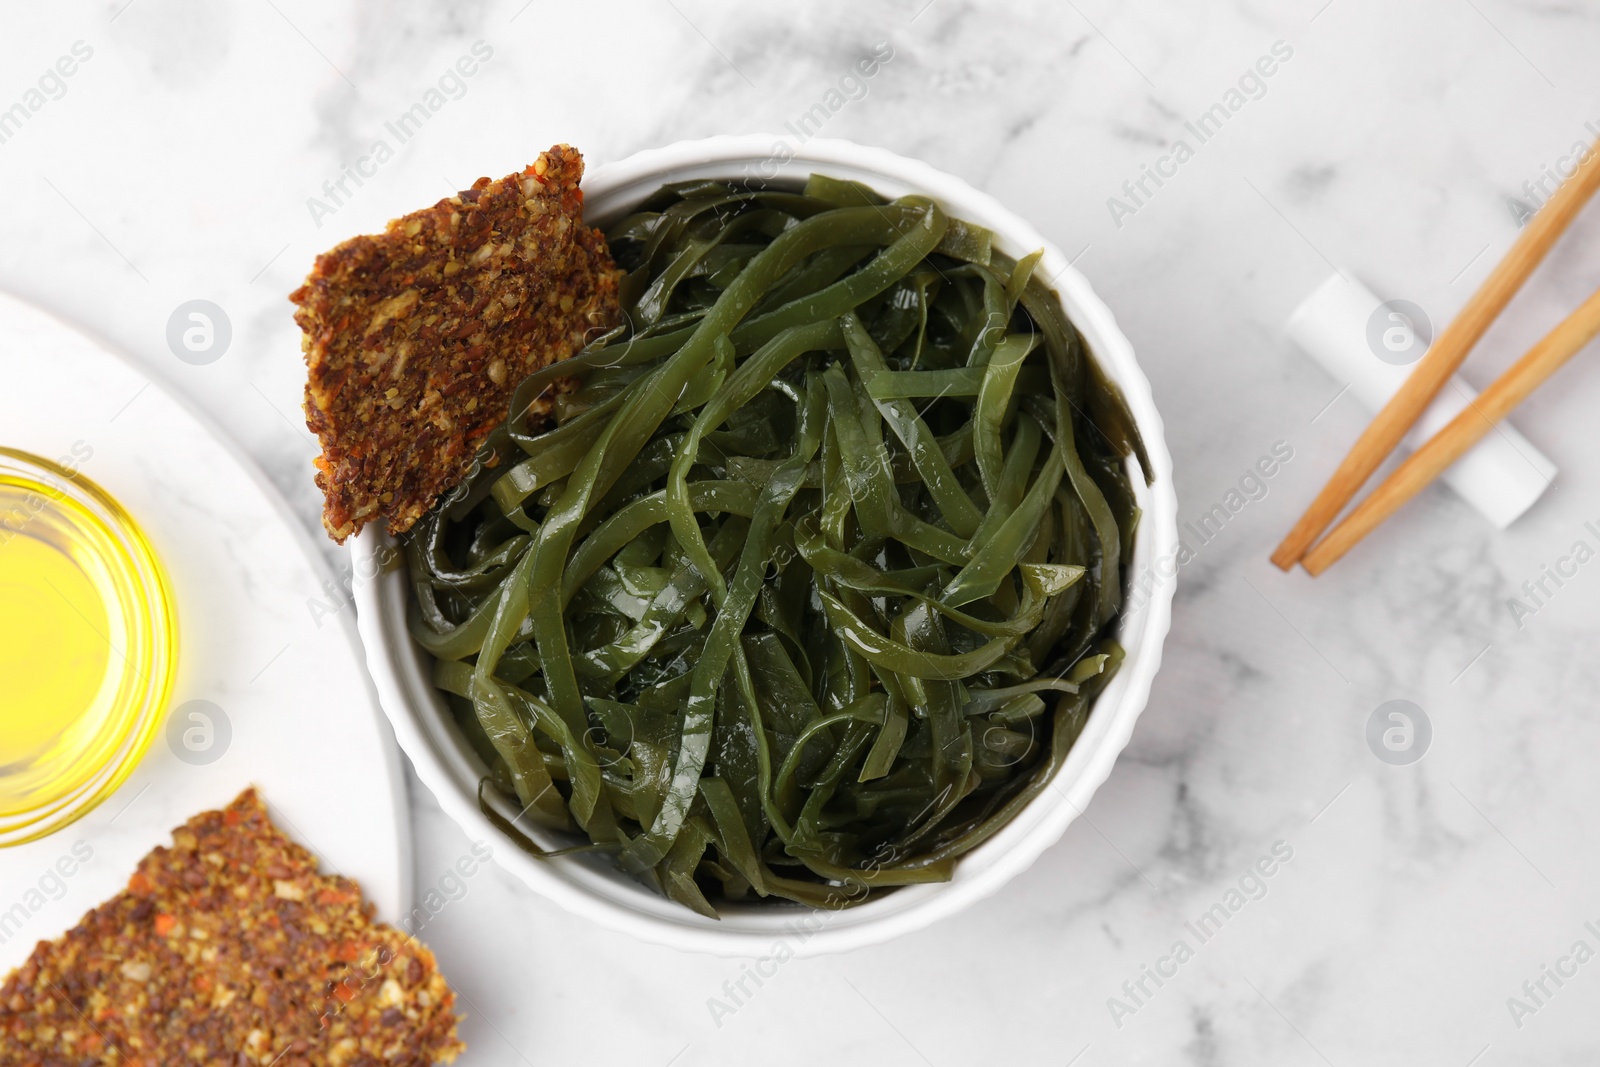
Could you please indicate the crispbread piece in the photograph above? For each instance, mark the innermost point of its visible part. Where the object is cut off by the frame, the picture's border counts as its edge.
(230, 948)
(415, 338)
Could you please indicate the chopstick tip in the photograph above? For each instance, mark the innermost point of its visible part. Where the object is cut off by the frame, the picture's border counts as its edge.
(1286, 557)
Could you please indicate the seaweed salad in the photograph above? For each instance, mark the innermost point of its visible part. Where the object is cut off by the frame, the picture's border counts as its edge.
(810, 582)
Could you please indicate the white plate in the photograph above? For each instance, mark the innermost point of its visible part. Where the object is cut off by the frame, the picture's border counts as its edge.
(304, 726)
(590, 886)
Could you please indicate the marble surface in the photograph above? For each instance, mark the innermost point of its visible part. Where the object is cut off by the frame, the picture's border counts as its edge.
(1416, 901)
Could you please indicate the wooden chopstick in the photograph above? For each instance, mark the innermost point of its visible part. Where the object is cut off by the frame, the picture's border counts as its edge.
(1464, 431)
(1406, 406)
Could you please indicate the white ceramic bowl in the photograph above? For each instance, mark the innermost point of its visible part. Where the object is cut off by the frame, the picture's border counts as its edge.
(588, 885)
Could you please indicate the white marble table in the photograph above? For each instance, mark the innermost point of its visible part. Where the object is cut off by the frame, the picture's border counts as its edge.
(176, 163)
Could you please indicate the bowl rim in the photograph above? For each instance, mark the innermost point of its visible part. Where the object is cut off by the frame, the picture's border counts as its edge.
(593, 890)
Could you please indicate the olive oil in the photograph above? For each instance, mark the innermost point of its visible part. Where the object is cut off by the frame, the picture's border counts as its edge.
(54, 650)
(86, 637)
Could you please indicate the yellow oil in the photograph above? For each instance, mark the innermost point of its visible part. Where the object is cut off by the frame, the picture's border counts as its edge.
(54, 651)
(79, 664)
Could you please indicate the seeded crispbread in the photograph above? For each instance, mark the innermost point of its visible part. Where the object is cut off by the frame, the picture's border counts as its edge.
(229, 947)
(415, 338)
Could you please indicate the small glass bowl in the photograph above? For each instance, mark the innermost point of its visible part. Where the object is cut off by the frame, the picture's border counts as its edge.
(63, 780)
